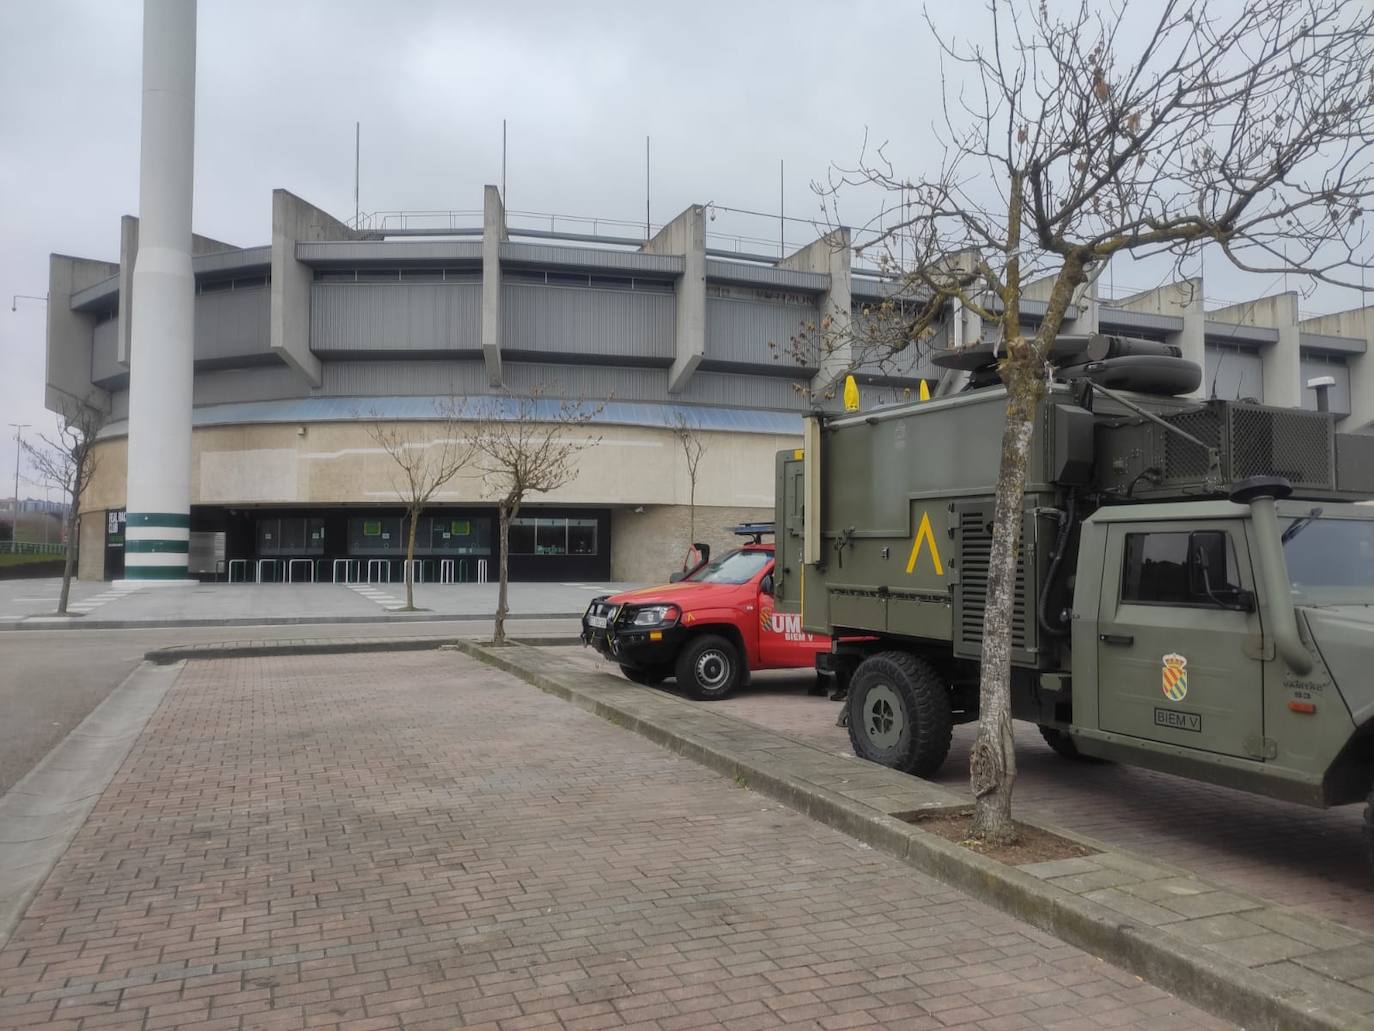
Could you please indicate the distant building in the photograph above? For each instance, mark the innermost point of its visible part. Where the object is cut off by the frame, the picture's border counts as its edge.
(299, 342)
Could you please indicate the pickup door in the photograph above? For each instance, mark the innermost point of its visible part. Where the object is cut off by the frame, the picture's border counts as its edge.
(1172, 647)
(783, 643)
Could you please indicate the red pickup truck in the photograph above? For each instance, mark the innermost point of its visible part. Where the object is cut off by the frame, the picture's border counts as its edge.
(709, 629)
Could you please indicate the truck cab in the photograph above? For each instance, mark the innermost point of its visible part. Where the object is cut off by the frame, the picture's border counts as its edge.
(710, 629)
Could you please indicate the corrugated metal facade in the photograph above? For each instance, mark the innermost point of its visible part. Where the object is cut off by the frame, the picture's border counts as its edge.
(1233, 372)
(350, 319)
(233, 323)
(741, 323)
(558, 320)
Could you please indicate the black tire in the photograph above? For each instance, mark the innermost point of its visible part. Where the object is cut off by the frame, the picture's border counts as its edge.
(647, 677)
(899, 713)
(1368, 829)
(709, 668)
(1064, 746)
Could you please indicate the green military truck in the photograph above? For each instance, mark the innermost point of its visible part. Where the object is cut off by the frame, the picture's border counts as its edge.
(1194, 587)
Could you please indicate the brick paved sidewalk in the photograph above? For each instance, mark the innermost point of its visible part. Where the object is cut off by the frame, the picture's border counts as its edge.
(413, 840)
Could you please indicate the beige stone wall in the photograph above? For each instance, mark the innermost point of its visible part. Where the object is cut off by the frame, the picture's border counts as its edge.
(630, 467)
(647, 546)
(90, 556)
(338, 463)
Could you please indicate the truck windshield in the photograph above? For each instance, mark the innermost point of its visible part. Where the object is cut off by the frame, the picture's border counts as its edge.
(734, 567)
(1330, 555)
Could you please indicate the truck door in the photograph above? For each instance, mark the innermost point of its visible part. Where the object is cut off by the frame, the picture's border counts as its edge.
(782, 641)
(1177, 611)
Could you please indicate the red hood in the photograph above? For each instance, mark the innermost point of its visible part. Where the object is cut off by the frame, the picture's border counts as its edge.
(685, 594)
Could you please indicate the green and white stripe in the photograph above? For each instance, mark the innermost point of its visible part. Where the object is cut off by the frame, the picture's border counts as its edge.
(156, 545)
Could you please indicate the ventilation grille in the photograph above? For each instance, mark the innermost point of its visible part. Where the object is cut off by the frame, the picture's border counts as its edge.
(1184, 460)
(1355, 463)
(1281, 442)
(975, 550)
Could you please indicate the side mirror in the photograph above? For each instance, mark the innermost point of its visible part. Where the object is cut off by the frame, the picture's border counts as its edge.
(766, 585)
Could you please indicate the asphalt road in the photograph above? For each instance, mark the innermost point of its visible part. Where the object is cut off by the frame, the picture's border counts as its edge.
(51, 679)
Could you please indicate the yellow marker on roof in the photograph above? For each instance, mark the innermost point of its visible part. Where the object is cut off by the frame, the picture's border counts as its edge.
(851, 394)
(925, 391)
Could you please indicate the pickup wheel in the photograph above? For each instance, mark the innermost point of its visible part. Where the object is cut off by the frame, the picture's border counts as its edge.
(708, 668)
(1064, 746)
(899, 713)
(647, 677)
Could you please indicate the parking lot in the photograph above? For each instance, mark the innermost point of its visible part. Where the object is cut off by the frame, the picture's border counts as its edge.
(1308, 859)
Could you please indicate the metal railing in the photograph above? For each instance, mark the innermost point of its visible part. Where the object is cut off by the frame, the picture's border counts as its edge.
(31, 548)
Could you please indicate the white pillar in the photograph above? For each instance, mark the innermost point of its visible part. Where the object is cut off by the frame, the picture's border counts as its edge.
(163, 304)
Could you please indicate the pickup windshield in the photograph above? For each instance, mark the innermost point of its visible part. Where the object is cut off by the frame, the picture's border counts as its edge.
(1330, 555)
(734, 567)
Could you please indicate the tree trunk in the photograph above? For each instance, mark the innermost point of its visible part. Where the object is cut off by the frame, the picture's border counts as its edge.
(73, 525)
(503, 573)
(692, 513)
(410, 559)
(992, 765)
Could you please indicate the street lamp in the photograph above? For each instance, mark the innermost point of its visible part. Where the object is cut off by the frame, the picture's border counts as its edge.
(19, 428)
(16, 298)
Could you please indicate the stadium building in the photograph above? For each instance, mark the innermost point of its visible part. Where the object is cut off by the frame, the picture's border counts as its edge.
(301, 341)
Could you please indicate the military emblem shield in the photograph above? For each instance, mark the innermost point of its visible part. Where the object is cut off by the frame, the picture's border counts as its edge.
(1175, 677)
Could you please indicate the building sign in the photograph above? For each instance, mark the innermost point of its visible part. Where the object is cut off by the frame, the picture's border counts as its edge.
(372, 528)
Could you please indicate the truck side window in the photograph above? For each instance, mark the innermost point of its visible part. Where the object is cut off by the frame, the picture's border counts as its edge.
(1156, 570)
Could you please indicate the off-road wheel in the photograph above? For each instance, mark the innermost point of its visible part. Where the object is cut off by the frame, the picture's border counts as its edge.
(1064, 746)
(709, 668)
(647, 677)
(899, 714)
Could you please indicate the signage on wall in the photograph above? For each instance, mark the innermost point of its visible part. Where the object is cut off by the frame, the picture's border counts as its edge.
(114, 527)
(372, 528)
(461, 527)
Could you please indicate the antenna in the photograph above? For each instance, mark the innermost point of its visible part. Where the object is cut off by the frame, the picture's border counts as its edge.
(782, 215)
(646, 187)
(503, 163)
(1216, 375)
(357, 159)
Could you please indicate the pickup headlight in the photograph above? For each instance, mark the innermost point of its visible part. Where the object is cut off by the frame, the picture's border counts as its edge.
(656, 615)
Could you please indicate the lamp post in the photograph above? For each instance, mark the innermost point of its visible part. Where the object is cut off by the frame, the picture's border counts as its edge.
(19, 428)
(16, 298)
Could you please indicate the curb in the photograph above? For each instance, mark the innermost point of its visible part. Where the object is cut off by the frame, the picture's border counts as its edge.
(343, 646)
(86, 623)
(1211, 982)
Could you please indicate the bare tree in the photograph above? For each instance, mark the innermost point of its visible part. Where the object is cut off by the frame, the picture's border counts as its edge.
(68, 462)
(527, 445)
(425, 456)
(694, 446)
(1075, 134)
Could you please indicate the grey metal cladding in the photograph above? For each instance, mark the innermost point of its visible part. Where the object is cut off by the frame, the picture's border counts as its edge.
(387, 252)
(588, 382)
(720, 388)
(105, 370)
(119, 404)
(1233, 374)
(1238, 333)
(233, 323)
(399, 378)
(1331, 344)
(741, 328)
(269, 382)
(745, 274)
(587, 321)
(552, 254)
(354, 318)
(1121, 319)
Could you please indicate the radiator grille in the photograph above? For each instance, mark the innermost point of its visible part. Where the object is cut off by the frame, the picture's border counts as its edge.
(975, 550)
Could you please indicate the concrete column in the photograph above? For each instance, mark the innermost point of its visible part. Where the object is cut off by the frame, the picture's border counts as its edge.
(1357, 323)
(1181, 300)
(832, 255)
(68, 366)
(294, 220)
(1283, 360)
(162, 324)
(493, 235)
(686, 236)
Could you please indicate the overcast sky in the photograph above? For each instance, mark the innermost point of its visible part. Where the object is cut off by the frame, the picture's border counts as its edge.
(725, 90)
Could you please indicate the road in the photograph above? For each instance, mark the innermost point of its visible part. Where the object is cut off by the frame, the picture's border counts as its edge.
(51, 679)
